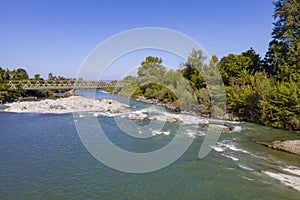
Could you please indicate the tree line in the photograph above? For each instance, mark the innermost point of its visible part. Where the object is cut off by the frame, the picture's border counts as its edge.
(7, 94)
(261, 90)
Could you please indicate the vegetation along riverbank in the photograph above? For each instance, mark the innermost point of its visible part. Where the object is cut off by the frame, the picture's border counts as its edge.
(260, 90)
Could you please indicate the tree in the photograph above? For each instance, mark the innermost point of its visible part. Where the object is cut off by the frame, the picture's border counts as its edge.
(243, 96)
(193, 67)
(232, 66)
(280, 104)
(51, 77)
(151, 71)
(18, 74)
(60, 78)
(37, 77)
(283, 56)
(255, 59)
(151, 63)
(4, 75)
(22, 74)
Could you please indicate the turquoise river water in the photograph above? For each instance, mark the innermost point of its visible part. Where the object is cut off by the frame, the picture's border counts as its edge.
(42, 157)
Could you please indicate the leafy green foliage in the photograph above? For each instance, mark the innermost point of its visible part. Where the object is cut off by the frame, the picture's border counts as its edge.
(5, 75)
(283, 58)
(252, 92)
(232, 66)
(243, 96)
(256, 62)
(8, 94)
(192, 69)
(155, 82)
(280, 105)
(263, 91)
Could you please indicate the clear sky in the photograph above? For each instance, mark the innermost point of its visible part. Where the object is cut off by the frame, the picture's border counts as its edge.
(57, 35)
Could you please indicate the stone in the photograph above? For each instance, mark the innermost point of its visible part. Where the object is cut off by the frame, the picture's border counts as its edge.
(215, 126)
(174, 121)
(138, 117)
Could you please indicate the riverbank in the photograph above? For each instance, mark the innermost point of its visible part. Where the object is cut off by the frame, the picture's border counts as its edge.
(203, 111)
(66, 105)
(291, 146)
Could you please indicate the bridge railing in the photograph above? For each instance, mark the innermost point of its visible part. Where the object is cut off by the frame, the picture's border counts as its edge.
(65, 84)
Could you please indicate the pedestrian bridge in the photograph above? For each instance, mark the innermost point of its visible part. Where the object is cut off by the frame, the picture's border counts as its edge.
(65, 84)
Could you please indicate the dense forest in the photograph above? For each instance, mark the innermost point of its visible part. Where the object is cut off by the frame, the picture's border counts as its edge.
(261, 90)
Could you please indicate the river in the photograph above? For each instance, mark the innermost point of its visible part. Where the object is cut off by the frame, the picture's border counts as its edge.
(42, 157)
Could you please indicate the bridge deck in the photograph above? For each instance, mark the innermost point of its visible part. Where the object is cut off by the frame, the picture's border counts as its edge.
(39, 85)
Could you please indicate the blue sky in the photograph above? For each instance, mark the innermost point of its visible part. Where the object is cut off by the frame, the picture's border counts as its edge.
(57, 35)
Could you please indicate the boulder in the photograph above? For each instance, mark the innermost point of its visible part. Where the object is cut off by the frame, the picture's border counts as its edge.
(174, 120)
(215, 126)
(138, 117)
(171, 120)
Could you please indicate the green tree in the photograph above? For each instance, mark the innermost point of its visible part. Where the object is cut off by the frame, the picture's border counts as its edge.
(283, 56)
(151, 71)
(4, 75)
(243, 96)
(193, 67)
(150, 65)
(256, 65)
(18, 74)
(37, 77)
(22, 74)
(232, 66)
(51, 77)
(280, 104)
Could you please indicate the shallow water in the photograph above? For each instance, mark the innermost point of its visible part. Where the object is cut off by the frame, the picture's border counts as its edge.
(42, 157)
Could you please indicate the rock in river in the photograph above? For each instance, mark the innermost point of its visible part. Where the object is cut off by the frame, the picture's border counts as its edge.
(137, 116)
(215, 126)
(291, 146)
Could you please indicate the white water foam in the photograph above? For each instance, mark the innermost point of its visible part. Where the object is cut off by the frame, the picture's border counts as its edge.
(292, 170)
(160, 132)
(247, 178)
(237, 129)
(190, 133)
(200, 133)
(234, 148)
(229, 145)
(234, 122)
(102, 91)
(186, 119)
(166, 132)
(226, 145)
(245, 167)
(292, 181)
(231, 157)
(218, 149)
(224, 121)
